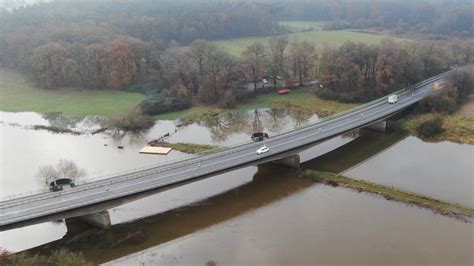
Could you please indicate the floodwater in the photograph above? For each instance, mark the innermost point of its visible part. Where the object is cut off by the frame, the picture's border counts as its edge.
(24, 150)
(443, 170)
(321, 225)
(253, 215)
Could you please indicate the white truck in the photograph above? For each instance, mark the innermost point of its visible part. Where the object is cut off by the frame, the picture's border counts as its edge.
(392, 99)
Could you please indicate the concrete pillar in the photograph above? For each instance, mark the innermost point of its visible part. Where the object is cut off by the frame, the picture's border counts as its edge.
(290, 161)
(379, 126)
(99, 219)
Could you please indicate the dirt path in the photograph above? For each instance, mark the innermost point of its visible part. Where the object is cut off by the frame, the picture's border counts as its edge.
(468, 108)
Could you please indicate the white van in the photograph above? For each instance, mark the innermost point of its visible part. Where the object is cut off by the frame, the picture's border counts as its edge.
(392, 99)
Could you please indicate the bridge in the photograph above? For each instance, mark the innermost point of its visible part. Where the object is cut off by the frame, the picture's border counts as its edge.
(283, 149)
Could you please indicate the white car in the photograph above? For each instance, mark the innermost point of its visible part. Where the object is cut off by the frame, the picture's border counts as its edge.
(265, 81)
(263, 149)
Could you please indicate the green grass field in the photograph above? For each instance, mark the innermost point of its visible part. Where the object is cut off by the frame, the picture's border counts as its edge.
(17, 94)
(303, 25)
(332, 38)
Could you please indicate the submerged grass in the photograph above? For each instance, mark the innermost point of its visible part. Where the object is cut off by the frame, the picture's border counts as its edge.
(442, 207)
(193, 148)
(58, 130)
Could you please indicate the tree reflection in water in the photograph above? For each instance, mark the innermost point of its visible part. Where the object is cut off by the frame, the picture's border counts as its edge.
(257, 120)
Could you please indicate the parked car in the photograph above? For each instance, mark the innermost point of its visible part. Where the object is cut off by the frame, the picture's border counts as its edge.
(263, 149)
(283, 91)
(265, 81)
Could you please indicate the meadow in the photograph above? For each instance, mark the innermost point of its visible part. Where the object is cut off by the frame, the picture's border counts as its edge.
(19, 94)
(320, 38)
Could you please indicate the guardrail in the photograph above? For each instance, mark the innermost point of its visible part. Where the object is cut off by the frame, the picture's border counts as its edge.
(181, 162)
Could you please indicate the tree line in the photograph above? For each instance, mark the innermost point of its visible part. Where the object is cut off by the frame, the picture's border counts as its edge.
(438, 17)
(357, 72)
(138, 47)
(99, 28)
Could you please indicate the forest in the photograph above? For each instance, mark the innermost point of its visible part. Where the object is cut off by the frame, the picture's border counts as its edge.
(163, 48)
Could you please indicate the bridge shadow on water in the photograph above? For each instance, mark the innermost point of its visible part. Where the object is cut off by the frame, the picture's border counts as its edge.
(271, 183)
(367, 145)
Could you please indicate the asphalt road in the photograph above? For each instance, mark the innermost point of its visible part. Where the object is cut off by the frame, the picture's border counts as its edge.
(35, 206)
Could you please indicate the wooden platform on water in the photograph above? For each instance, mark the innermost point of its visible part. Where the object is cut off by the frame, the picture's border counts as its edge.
(155, 150)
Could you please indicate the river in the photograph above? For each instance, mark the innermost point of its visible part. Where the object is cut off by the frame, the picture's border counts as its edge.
(254, 215)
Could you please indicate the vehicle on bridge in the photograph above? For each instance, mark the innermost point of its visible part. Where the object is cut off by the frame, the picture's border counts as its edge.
(60, 183)
(392, 99)
(259, 136)
(263, 149)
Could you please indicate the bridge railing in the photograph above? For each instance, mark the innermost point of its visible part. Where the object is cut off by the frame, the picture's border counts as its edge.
(180, 162)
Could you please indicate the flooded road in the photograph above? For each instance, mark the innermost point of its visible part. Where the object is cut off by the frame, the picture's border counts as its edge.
(253, 215)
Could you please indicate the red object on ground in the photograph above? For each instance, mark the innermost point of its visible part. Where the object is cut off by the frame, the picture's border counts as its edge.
(283, 91)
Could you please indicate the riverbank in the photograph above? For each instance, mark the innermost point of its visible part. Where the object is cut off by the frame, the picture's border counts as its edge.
(442, 207)
(457, 128)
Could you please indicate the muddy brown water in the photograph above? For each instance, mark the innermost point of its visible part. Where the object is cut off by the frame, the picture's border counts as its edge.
(251, 215)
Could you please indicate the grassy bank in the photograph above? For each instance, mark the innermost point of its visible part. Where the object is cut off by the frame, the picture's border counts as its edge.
(18, 94)
(303, 100)
(193, 148)
(320, 38)
(438, 206)
(457, 128)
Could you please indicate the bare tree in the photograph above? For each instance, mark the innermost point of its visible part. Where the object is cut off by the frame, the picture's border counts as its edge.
(69, 169)
(303, 54)
(47, 174)
(64, 169)
(254, 56)
(276, 59)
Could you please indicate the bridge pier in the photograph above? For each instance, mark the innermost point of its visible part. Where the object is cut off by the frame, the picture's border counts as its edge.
(292, 161)
(99, 219)
(379, 126)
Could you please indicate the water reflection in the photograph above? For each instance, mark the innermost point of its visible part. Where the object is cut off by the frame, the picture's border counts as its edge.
(268, 185)
(258, 120)
(441, 170)
(322, 225)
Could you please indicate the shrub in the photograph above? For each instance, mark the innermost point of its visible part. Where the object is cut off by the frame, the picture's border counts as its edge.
(135, 121)
(430, 128)
(149, 90)
(443, 102)
(163, 105)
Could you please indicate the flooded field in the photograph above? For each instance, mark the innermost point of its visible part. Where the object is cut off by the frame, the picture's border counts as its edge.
(253, 215)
